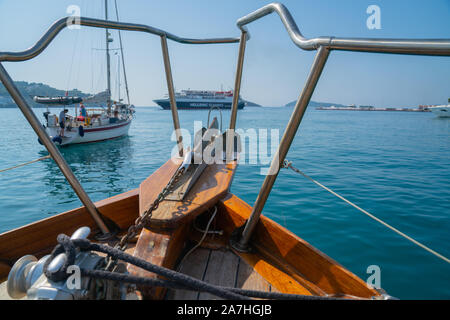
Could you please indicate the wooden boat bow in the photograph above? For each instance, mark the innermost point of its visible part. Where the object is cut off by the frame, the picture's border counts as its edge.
(279, 261)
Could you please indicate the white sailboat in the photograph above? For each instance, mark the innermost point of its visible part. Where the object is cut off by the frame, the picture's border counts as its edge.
(104, 118)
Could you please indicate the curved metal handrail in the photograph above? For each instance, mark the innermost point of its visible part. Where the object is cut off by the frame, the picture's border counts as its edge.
(402, 46)
(323, 45)
(40, 46)
(60, 24)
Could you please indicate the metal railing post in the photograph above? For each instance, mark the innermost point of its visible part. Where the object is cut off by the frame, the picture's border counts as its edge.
(286, 140)
(170, 88)
(237, 81)
(52, 149)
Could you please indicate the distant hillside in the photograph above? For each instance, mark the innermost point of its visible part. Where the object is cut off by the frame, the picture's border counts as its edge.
(29, 90)
(316, 104)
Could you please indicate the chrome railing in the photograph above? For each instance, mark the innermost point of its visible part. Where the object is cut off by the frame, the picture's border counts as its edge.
(323, 45)
(59, 25)
(403, 46)
(40, 46)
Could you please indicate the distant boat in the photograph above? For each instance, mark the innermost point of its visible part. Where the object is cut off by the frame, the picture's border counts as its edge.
(104, 118)
(99, 124)
(442, 111)
(57, 100)
(201, 99)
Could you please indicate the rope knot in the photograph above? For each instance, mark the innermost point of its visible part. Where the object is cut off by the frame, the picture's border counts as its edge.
(286, 164)
(65, 245)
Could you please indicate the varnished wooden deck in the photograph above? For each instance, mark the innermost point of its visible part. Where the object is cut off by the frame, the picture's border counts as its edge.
(220, 267)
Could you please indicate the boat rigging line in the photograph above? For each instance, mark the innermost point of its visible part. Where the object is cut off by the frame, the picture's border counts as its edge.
(26, 163)
(287, 164)
(121, 53)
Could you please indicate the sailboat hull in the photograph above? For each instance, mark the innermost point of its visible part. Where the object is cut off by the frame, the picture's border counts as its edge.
(91, 134)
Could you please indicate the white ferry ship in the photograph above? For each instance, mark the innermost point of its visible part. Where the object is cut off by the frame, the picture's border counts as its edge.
(201, 99)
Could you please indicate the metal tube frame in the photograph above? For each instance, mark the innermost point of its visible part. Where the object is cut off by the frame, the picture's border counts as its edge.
(237, 81)
(40, 46)
(230, 147)
(402, 46)
(323, 45)
(285, 143)
(60, 24)
(171, 90)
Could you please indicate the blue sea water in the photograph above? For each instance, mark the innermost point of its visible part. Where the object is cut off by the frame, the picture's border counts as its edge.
(393, 164)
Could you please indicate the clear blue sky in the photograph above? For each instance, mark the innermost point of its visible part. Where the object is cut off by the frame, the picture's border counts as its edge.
(275, 69)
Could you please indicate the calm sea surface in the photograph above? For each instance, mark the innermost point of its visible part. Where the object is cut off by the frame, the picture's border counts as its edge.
(393, 164)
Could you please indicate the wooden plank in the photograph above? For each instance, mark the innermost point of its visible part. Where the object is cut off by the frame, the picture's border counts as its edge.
(273, 289)
(275, 275)
(221, 270)
(4, 292)
(195, 266)
(307, 262)
(151, 187)
(212, 185)
(249, 279)
(211, 241)
(298, 259)
(39, 238)
(160, 248)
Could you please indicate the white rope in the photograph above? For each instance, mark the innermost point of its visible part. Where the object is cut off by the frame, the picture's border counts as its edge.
(24, 164)
(288, 164)
(201, 240)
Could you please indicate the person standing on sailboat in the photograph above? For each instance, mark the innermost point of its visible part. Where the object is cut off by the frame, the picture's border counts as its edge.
(83, 112)
(115, 107)
(62, 121)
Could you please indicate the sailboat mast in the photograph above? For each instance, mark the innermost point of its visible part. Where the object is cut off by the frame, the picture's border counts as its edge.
(121, 54)
(118, 78)
(108, 64)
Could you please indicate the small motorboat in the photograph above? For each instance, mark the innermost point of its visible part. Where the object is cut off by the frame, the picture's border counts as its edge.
(442, 111)
(57, 100)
